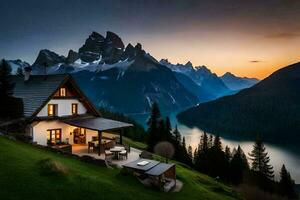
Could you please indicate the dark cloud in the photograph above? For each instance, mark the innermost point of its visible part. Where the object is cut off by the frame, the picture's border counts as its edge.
(255, 61)
(27, 26)
(283, 35)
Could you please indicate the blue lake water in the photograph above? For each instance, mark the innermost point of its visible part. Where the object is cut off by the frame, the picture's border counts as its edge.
(279, 154)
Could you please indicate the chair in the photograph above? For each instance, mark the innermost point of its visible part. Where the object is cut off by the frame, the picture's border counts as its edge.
(91, 145)
(127, 148)
(108, 155)
(123, 154)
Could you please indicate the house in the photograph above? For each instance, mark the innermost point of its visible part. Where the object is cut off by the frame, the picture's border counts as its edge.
(57, 112)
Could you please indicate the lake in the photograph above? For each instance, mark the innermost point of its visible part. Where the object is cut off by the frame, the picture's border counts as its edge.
(279, 154)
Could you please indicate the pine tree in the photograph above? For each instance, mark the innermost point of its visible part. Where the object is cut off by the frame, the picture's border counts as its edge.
(204, 143)
(190, 152)
(177, 136)
(260, 160)
(161, 131)
(238, 165)
(217, 143)
(168, 129)
(287, 184)
(210, 141)
(228, 154)
(6, 85)
(153, 126)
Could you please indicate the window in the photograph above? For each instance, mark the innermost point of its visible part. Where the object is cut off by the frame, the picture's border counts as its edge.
(74, 108)
(53, 136)
(52, 109)
(62, 92)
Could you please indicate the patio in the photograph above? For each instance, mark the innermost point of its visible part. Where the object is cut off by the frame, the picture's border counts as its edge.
(82, 150)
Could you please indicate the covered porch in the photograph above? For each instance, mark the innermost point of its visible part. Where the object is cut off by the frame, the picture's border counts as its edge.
(101, 135)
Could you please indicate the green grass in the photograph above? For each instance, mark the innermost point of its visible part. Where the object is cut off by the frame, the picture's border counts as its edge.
(22, 176)
(134, 144)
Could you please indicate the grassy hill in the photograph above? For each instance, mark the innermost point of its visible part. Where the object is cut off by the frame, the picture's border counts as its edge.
(22, 177)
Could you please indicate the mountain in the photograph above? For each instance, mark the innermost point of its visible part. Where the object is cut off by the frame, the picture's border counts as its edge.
(270, 108)
(17, 64)
(128, 79)
(109, 49)
(194, 88)
(202, 76)
(238, 83)
(132, 85)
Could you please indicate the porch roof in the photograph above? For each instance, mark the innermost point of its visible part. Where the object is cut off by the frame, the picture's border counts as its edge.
(97, 123)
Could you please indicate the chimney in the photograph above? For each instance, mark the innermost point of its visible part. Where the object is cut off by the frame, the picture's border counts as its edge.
(27, 73)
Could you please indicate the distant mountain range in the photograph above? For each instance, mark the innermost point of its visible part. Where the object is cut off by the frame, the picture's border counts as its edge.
(128, 79)
(270, 108)
(235, 83)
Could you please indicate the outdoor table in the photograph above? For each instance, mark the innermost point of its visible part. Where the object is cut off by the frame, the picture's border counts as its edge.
(116, 151)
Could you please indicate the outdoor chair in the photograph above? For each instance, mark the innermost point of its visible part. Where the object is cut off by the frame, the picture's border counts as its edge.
(108, 155)
(127, 148)
(123, 154)
(91, 145)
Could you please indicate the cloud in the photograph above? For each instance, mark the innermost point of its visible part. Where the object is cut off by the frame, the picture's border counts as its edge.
(255, 61)
(283, 35)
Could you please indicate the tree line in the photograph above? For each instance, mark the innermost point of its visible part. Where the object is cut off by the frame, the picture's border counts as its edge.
(224, 164)
(160, 129)
(11, 107)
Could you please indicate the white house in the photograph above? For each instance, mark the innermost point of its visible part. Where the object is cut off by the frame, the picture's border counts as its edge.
(57, 112)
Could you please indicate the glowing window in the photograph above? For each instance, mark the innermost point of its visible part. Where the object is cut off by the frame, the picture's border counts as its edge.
(62, 92)
(52, 109)
(74, 108)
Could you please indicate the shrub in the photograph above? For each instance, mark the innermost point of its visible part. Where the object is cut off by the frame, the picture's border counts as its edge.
(52, 167)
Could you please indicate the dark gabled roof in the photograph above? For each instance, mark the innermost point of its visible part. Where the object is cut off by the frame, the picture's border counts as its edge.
(38, 90)
(96, 123)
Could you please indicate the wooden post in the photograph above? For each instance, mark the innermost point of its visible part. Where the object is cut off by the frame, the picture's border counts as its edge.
(121, 137)
(99, 142)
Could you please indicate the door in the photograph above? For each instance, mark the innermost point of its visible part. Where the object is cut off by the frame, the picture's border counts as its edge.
(79, 136)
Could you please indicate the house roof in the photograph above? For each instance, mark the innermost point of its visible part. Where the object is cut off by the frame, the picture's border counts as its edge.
(38, 90)
(96, 123)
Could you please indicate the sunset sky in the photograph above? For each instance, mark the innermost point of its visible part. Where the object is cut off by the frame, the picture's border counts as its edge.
(247, 37)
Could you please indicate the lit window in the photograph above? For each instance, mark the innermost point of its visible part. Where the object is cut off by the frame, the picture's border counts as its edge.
(74, 108)
(52, 109)
(53, 136)
(62, 92)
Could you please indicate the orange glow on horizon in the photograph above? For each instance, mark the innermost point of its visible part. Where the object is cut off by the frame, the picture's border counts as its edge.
(243, 54)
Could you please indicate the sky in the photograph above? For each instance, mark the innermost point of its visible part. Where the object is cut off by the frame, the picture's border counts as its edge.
(250, 38)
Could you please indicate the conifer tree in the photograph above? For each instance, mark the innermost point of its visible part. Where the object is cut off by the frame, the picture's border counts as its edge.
(238, 165)
(6, 85)
(177, 136)
(217, 143)
(228, 154)
(161, 131)
(168, 129)
(190, 152)
(153, 126)
(210, 141)
(203, 143)
(260, 160)
(287, 184)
